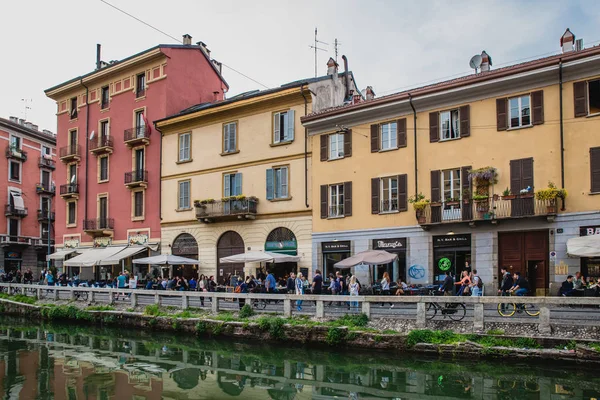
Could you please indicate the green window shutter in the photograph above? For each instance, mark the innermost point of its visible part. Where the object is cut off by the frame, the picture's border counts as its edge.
(290, 125)
(270, 183)
(276, 127)
(238, 184)
(226, 185)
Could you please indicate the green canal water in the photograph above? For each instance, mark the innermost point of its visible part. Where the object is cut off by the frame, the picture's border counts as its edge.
(74, 362)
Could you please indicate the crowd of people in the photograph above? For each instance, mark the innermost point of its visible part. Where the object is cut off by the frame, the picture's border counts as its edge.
(575, 286)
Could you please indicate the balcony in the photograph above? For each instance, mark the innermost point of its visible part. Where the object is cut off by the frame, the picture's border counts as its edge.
(140, 135)
(135, 179)
(70, 153)
(101, 145)
(45, 188)
(42, 244)
(15, 153)
(228, 210)
(99, 227)
(45, 215)
(11, 211)
(44, 162)
(69, 191)
(11, 240)
(492, 209)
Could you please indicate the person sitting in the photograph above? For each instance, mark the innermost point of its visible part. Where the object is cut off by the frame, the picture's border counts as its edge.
(521, 286)
(567, 288)
(579, 281)
(400, 287)
(465, 283)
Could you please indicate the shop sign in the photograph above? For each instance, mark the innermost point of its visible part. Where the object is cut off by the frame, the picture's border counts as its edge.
(444, 264)
(185, 244)
(139, 239)
(398, 244)
(71, 243)
(589, 230)
(336, 247)
(13, 255)
(102, 242)
(452, 240)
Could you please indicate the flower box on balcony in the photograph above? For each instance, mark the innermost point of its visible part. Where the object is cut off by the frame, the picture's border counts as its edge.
(452, 203)
(509, 197)
(526, 196)
(436, 204)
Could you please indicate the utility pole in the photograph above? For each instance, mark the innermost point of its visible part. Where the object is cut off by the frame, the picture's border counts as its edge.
(26, 101)
(336, 45)
(316, 47)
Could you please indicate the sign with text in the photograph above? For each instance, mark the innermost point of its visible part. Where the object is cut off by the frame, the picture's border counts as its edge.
(589, 230)
(398, 244)
(71, 243)
(103, 241)
(336, 247)
(452, 240)
(139, 239)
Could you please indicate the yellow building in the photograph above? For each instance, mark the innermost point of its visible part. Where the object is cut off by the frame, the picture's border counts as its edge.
(479, 148)
(236, 175)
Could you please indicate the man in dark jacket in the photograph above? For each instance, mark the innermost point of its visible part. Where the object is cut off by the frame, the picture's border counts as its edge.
(291, 283)
(448, 284)
(505, 285)
(567, 288)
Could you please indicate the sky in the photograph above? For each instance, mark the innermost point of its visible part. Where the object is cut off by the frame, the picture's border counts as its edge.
(390, 45)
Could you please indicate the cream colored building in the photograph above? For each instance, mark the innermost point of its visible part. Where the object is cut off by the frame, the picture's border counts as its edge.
(236, 175)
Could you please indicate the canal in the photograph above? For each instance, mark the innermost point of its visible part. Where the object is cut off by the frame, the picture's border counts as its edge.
(76, 362)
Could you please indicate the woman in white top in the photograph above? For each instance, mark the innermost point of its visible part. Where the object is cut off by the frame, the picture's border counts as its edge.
(354, 289)
(385, 286)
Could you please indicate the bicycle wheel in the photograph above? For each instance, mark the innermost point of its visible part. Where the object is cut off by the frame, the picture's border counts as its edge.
(507, 309)
(531, 310)
(460, 312)
(431, 310)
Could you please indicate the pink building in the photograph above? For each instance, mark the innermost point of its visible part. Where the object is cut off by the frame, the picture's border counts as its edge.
(108, 208)
(27, 195)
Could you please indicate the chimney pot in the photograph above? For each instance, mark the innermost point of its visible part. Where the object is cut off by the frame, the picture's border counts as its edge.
(369, 93)
(204, 48)
(14, 119)
(579, 45)
(218, 65)
(332, 67)
(187, 40)
(567, 40)
(21, 121)
(34, 127)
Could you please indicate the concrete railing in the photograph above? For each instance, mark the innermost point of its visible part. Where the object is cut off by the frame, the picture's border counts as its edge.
(366, 303)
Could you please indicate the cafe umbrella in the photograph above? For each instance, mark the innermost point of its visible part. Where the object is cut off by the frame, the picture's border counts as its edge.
(257, 257)
(368, 257)
(166, 260)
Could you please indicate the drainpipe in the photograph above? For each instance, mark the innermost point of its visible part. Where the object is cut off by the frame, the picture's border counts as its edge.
(87, 127)
(346, 77)
(160, 176)
(305, 148)
(415, 140)
(562, 137)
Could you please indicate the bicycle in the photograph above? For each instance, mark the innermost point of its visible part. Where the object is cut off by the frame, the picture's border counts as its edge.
(509, 309)
(454, 311)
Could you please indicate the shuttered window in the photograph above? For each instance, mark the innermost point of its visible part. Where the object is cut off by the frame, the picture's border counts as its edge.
(336, 200)
(283, 126)
(595, 169)
(402, 132)
(230, 137)
(232, 184)
(336, 146)
(277, 183)
(580, 98)
(184, 146)
(434, 135)
(449, 125)
(184, 195)
(519, 111)
(138, 204)
(389, 136)
(392, 193)
(521, 175)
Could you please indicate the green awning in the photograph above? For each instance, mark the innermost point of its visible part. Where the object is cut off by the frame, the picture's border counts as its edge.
(289, 247)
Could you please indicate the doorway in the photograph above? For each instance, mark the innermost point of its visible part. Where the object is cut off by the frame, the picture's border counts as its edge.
(229, 244)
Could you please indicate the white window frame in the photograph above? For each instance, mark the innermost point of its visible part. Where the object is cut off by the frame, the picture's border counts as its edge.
(453, 131)
(336, 145)
(391, 129)
(520, 112)
(183, 147)
(229, 186)
(183, 200)
(46, 151)
(451, 212)
(19, 139)
(229, 143)
(280, 133)
(336, 201)
(281, 182)
(386, 193)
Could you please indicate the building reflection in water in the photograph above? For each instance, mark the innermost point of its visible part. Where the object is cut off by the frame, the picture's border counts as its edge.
(44, 363)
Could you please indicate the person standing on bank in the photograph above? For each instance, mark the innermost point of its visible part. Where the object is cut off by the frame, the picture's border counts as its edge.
(448, 285)
(505, 285)
(385, 286)
(299, 290)
(477, 285)
(354, 289)
(291, 283)
(317, 283)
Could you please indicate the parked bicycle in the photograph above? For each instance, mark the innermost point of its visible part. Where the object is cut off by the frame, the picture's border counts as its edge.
(454, 311)
(510, 309)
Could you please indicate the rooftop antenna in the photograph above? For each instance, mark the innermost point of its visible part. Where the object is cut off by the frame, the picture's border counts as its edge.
(336, 45)
(26, 101)
(475, 62)
(316, 47)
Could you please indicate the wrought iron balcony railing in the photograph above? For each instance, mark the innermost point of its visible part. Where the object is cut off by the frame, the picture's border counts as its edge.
(15, 153)
(99, 224)
(136, 178)
(70, 152)
(12, 211)
(70, 189)
(225, 210)
(44, 162)
(101, 145)
(45, 215)
(136, 135)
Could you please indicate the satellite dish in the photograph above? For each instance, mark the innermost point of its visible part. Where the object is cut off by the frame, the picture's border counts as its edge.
(475, 62)
(94, 132)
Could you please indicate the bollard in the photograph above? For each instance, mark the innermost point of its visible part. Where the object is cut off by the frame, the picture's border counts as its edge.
(92, 296)
(55, 294)
(287, 308)
(421, 315)
(366, 309)
(72, 295)
(111, 297)
(478, 317)
(157, 299)
(39, 293)
(544, 321)
(184, 301)
(320, 309)
(214, 301)
(133, 299)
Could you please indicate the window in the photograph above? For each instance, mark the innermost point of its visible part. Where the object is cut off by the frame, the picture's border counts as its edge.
(232, 184)
(184, 195)
(73, 139)
(449, 125)
(389, 194)
(230, 137)
(451, 185)
(103, 161)
(277, 183)
(73, 173)
(184, 147)
(104, 98)
(336, 200)
(73, 107)
(103, 212)
(46, 179)
(46, 151)
(138, 204)
(44, 231)
(389, 136)
(283, 126)
(13, 228)
(103, 131)
(336, 146)
(594, 97)
(595, 169)
(45, 204)
(520, 113)
(15, 171)
(140, 88)
(71, 213)
(140, 124)
(15, 142)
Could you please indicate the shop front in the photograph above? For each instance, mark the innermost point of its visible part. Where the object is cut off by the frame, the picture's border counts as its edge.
(12, 261)
(451, 253)
(184, 245)
(334, 252)
(396, 269)
(283, 241)
(590, 266)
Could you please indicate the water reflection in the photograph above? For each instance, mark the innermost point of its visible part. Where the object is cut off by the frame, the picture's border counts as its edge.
(67, 362)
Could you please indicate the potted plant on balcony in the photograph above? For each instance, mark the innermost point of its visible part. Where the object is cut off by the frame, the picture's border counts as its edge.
(526, 193)
(450, 201)
(507, 195)
(549, 195)
(466, 196)
(419, 203)
(482, 204)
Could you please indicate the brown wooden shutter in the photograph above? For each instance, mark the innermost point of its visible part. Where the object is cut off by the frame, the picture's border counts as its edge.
(402, 192)
(436, 211)
(515, 176)
(465, 121)
(375, 196)
(527, 173)
(348, 143)
(434, 134)
(324, 210)
(324, 147)
(595, 169)
(537, 102)
(401, 124)
(467, 204)
(374, 138)
(501, 117)
(580, 100)
(347, 199)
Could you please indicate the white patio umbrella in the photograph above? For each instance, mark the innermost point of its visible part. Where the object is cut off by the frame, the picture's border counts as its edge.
(257, 257)
(584, 246)
(371, 257)
(166, 259)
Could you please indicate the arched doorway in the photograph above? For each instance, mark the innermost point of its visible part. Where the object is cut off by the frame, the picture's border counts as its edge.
(185, 245)
(229, 244)
(282, 240)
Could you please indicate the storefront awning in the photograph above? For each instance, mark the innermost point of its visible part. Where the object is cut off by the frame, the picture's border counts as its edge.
(584, 246)
(93, 256)
(61, 254)
(289, 247)
(123, 254)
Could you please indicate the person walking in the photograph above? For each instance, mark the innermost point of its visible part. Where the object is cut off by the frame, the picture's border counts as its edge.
(385, 286)
(270, 283)
(505, 285)
(291, 283)
(242, 287)
(465, 284)
(299, 290)
(317, 283)
(354, 289)
(476, 285)
(448, 284)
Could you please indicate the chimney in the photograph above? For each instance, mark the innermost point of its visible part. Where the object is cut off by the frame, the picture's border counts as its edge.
(34, 127)
(14, 119)
(47, 132)
(187, 40)
(579, 45)
(369, 93)
(204, 48)
(332, 67)
(21, 121)
(98, 56)
(486, 62)
(218, 65)
(28, 125)
(567, 40)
